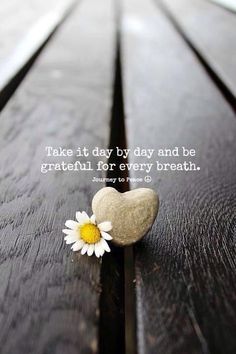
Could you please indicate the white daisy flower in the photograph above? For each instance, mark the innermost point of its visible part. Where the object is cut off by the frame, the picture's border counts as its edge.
(87, 236)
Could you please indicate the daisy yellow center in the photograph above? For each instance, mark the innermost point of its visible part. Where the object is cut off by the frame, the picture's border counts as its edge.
(90, 233)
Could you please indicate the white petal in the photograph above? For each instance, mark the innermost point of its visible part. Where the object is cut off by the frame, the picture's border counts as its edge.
(97, 249)
(85, 215)
(70, 239)
(105, 245)
(85, 248)
(84, 218)
(78, 216)
(68, 232)
(106, 236)
(78, 245)
(90, 250)
(101, 249)
(102, 252)
(105, 226)
(71, 224)
(69, 242)
(93, 219)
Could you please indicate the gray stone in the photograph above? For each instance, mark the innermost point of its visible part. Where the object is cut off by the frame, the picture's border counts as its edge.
(131, 213)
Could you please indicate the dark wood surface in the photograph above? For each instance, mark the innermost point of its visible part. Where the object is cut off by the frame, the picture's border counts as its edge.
(211, 30)
(24, 29)
(49, 296)
(185, 266)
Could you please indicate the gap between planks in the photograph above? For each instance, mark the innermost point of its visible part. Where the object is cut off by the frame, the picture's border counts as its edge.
(220, 84)
(118, 314)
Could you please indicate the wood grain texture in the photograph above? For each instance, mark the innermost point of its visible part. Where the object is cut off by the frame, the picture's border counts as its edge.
(210, 29)
(185, 266)
(49, 296)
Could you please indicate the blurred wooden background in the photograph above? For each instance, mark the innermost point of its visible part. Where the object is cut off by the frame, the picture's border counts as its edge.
(148, 73)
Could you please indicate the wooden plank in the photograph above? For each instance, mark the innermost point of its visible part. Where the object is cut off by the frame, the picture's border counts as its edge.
(185, 267)
(216, 46)
(24, 29)
(49, 296)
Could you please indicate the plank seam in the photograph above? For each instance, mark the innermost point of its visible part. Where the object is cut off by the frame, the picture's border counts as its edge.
(122, 257)
(218, 82)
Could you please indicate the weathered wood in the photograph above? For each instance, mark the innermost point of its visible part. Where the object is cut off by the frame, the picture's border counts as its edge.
(185, 267)
(211, 30)
(24, 29)
(49, 296)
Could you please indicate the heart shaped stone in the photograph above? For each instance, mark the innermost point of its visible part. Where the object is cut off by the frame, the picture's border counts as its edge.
(131, 213)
